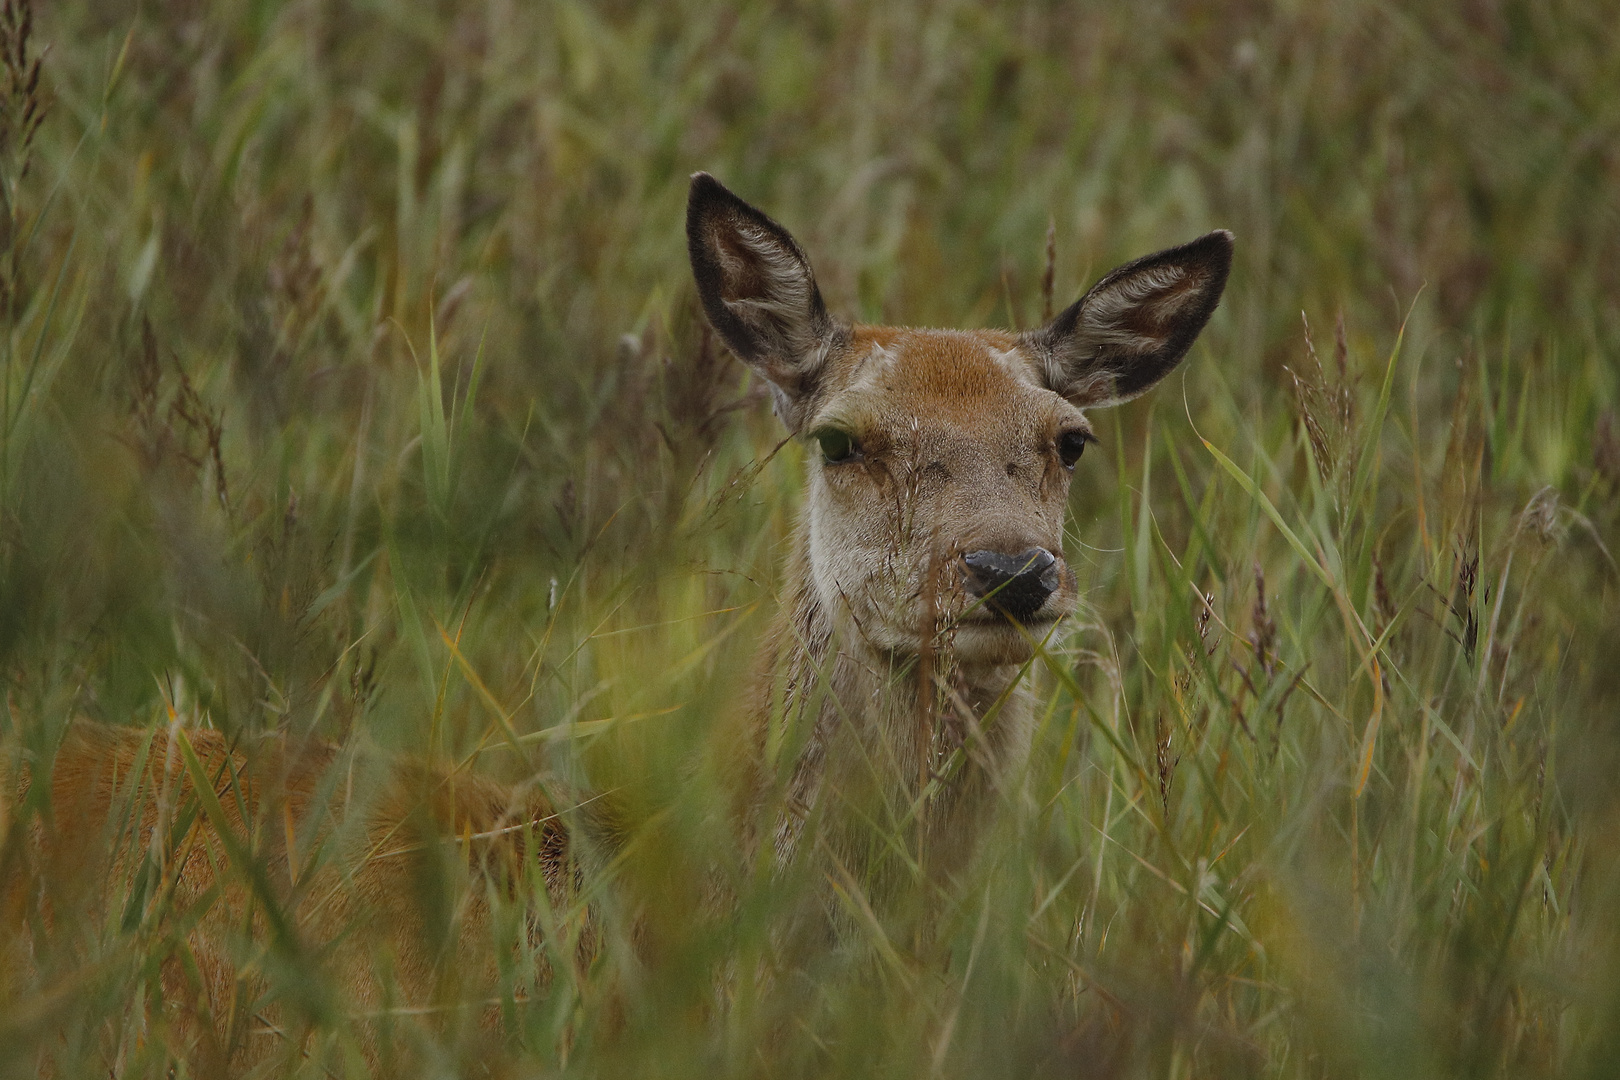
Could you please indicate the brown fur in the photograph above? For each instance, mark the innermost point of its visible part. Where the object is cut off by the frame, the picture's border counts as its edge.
(283, 867)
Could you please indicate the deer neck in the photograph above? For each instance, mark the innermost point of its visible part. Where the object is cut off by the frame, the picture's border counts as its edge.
(928, 722)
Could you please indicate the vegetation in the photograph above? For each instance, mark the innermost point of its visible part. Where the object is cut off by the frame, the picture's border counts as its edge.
(353, 385)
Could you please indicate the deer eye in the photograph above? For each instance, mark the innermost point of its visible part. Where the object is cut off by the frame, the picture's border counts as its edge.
(1070, 445)
(837, 446)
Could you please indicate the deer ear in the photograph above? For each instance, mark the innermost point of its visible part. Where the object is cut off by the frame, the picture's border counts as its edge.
(1134, 326)
(758, 291)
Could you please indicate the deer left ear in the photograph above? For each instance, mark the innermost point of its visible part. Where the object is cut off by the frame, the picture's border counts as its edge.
(759, 292)
(1133, 327)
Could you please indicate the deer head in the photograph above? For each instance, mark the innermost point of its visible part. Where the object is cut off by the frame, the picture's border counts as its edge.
(941, 459)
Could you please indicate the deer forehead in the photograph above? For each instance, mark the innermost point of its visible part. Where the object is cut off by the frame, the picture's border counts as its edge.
(895, 380)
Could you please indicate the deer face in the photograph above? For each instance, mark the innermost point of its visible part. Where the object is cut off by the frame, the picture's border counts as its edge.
(938, 480)
(941, 460)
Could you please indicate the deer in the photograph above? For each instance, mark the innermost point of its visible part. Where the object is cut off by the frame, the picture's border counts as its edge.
(925, 573)
(927, 565)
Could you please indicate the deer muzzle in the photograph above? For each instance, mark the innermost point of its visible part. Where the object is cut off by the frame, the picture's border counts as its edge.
(1016, 586)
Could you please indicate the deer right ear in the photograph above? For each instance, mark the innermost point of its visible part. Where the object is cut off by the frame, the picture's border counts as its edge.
(1134, 326)
(758, 292)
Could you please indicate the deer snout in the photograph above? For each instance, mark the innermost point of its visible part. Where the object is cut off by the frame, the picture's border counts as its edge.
(1015, 585)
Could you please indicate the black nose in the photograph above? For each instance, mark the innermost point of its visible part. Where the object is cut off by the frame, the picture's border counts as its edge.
(1015, 585)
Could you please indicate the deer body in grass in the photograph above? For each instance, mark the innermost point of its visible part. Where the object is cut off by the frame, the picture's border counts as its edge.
(331, 875)
(925, 571)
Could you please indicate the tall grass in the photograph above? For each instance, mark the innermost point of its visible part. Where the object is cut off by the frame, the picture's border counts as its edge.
(354, 386)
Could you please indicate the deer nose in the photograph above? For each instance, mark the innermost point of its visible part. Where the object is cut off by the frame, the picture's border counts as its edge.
(1015, 585)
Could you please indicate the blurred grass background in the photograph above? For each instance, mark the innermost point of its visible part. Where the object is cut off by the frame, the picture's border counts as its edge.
(354, 385)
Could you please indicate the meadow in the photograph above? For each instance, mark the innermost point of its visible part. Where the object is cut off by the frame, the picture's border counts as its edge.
(354, 386)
